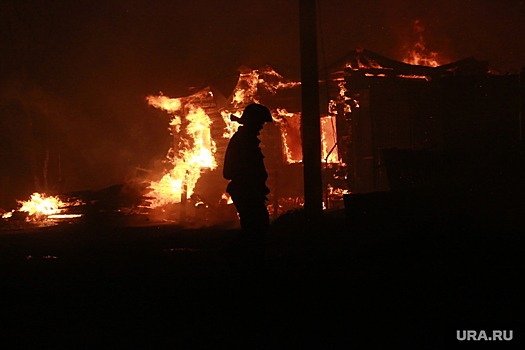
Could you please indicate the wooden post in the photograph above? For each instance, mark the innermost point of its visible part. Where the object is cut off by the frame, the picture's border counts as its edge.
(310, 116)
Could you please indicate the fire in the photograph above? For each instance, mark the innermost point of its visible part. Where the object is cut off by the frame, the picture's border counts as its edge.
(272, 81)
(41, 205)
(290, 124)
(192, 150)
(231, 126)
(419, 54)
(226, 198)
(329, 140)
(247, 89)
(165, 103)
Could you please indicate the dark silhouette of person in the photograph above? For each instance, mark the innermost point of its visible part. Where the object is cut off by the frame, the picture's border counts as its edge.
(244, 167)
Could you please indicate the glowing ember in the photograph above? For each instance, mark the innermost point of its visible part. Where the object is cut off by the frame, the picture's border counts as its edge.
(226, 198)
(64, 216)
(192, 151)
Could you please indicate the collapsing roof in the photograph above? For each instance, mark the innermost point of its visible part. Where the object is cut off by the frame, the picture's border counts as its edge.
(463, 109)
(368, 62)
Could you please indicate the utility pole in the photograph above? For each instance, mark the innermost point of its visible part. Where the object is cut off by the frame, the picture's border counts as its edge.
(310, 117)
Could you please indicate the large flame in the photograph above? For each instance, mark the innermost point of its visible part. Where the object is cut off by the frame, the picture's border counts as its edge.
(41, 205)
(192, 152)
(247, 91)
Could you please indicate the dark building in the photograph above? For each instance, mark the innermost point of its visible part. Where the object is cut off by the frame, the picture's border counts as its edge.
(408, 126)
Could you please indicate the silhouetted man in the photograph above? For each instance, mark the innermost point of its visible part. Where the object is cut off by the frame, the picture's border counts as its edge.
(244, 166)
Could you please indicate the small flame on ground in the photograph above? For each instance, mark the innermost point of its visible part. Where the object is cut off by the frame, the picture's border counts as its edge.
(41, 207)
(40, 204)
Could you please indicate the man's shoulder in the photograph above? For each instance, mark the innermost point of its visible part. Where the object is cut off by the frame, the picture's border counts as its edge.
(244, 138)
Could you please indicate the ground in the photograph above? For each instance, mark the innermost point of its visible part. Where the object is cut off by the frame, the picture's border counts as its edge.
(386, 282)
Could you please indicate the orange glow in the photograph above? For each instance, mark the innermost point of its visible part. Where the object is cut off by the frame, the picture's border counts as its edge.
(227, 198)
(290, 125)
(41, 205)
(246, 89)
(231, 126)
(273, 81)
(246, 92)
(329, 140)
(419, 54)
(192, 151)
(342, 97)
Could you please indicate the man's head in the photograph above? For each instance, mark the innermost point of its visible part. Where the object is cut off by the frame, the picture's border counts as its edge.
(254, 116)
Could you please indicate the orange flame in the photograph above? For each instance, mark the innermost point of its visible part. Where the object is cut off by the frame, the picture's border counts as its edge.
(419, 54)
(226, 198)
(41, 205)
(291, 137)
(247, 89)
(329, 140)
(190, 126)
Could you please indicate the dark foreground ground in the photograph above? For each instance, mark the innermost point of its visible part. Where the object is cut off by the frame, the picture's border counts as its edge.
(381, 283)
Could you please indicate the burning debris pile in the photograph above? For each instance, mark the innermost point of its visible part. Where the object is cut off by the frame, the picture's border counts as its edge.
(114, 205)
(43, 210)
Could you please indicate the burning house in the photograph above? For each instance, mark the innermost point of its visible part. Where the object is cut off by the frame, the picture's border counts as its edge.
(450, 135)
(386, 125)
(201, 128)
(395, 111)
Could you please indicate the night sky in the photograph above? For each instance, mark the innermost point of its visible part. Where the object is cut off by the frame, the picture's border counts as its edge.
(74, 74)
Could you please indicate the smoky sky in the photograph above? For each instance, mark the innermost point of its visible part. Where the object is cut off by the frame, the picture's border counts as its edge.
(74, 74)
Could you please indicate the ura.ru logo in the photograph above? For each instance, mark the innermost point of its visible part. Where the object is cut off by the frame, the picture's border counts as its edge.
(495, 335)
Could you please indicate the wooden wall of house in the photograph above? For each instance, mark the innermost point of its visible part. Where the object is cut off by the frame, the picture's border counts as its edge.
(432, 130)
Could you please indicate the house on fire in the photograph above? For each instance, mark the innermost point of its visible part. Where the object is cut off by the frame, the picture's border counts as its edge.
(402, 126)
(386, 125)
